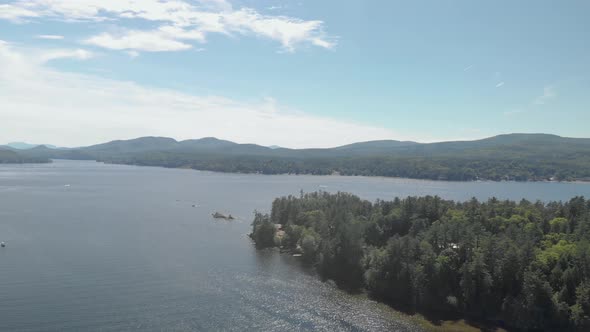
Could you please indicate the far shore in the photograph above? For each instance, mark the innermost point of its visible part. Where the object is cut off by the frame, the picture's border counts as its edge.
(578, 181)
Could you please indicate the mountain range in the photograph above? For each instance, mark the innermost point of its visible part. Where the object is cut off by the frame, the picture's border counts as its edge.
(25, 146)
(503, 157)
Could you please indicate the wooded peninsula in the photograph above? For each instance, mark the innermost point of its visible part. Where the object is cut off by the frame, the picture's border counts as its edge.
(523, 265)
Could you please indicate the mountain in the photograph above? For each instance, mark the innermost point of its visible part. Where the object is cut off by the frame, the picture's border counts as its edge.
(25, 146)
(519, 157)
(206, 143)
(375, 147)
(134, 145)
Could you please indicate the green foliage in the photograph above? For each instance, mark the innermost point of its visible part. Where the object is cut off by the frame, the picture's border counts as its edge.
(526, 264)
(558, 225)
(549, 256)
(263, 231)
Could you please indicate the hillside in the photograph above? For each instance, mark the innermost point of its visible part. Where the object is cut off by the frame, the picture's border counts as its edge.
(9, 156)
(521, 157)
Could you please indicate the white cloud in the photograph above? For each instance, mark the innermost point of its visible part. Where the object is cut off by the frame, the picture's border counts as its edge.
(289, 31)
(50, 37)
(45, 105)
(42, 56)
(16, 13)
(323, 43)
(78, 54)
(548, 93)
(165, 38)
(499, 85)
(150, 41)
(181, 21)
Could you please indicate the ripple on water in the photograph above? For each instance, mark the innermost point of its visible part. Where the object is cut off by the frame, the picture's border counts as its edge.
(121, 249)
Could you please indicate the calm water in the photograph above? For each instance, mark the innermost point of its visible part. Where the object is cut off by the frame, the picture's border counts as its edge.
(109, 248)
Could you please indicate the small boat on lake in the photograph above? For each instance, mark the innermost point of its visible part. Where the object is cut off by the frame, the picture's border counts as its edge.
(2, 244)
(218, 215)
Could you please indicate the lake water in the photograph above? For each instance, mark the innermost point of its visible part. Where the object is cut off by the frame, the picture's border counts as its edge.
(111, 247)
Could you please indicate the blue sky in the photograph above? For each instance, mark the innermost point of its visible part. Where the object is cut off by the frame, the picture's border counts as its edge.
(292, 73)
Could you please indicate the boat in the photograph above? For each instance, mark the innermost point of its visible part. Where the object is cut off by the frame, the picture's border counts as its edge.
(218, 215)
(2, 244)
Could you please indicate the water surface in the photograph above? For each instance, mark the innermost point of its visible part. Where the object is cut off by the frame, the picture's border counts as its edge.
(111, 247)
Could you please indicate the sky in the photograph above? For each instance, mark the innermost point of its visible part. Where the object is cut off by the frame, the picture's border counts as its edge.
(301, 73)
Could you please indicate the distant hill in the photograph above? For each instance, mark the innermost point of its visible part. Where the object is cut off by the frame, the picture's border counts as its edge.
(25, 146)
(134, 145)
(521, 157)
(42, 152)
(10, 156)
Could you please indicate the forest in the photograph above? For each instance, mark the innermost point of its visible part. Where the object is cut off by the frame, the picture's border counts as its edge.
(453, 168)
(513, 157)
(12, 157)
(524, 265)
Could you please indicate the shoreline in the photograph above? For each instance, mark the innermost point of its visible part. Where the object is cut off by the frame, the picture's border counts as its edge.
(430, 321)
(579, 181)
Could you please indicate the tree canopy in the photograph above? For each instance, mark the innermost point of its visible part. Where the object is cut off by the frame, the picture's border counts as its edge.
(526, 264)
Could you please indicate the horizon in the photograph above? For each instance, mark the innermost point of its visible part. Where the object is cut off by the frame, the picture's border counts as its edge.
(291, 74)
(272, 146)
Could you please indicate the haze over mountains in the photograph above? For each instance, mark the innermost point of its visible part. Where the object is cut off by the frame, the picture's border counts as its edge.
(25, 146)
(512, 156)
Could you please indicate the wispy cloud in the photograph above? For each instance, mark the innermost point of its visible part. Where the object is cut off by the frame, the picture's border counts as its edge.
(42, 56)
(16, 13)
(468, 68)
(136, 40)
(499, 85)
(50, 37)
(548, 94)
(181, 22)
(78, 54)
(76, 109)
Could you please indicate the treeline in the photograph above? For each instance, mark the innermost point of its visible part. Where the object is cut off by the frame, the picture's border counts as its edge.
(524, 264)
(433, 168)
(12, 157)
(515, 157)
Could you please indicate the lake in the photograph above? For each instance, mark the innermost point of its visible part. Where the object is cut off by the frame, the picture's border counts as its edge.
(111, 247)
